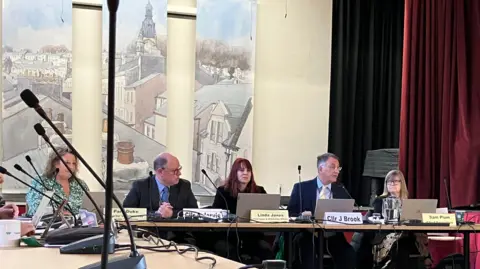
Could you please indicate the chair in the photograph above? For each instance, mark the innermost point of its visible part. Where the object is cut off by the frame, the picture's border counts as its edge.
(454, 261)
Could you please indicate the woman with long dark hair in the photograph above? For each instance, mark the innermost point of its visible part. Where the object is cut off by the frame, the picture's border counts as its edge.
(240, 180)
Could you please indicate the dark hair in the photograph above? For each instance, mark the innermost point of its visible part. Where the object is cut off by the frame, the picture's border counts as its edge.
(232, 183)
(321, 159)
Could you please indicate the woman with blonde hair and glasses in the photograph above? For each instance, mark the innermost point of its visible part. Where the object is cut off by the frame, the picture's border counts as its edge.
(394, 249)
(57, 178)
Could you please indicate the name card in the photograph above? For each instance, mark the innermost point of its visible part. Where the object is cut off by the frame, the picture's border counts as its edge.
(134, 214)
(343, 218)
(439, 218)
(213, 213)
(269, 215)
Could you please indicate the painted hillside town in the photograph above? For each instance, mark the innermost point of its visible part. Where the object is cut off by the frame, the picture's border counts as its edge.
(223, 89)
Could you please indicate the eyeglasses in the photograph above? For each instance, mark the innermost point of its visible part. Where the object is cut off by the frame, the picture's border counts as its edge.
(333, 167)
(393, 182)
(174, 171)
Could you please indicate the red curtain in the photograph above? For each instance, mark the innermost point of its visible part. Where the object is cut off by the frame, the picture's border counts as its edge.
(440, 110)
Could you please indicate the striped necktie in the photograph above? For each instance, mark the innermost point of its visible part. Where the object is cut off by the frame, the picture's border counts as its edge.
(323, 193)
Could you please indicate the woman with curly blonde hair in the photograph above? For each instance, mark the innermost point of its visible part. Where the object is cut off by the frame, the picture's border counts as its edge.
(57, 177)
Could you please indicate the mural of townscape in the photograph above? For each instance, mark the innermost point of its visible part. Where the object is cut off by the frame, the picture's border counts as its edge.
(37, 55)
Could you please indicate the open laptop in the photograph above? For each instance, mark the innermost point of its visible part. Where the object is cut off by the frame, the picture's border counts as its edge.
(257, 201)
(412, 209)
(332, 205)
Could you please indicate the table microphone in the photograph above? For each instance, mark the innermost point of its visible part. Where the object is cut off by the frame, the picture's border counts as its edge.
(229, 216)
(5, 172)
(302, 218)
(29, 160)
(135, 259)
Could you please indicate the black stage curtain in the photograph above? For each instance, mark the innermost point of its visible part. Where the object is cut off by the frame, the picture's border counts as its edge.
(367, 42)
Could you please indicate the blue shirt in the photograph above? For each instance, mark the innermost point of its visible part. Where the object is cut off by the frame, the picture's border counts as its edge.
(161, 188)
(320, 187)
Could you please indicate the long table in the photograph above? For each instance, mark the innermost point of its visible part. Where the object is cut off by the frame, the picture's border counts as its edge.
(28, 257)
(289, 228)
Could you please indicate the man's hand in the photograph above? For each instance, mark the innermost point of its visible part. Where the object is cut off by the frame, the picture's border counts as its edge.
(166, 210)
(2, 178)
(27, 229)
(9, 211)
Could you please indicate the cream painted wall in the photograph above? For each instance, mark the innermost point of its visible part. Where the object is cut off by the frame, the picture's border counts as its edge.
(182, 34)
(292, 84)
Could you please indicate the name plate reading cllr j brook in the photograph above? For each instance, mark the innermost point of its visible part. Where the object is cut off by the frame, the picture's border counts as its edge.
(269, 216)
(439, 218)
(343, 218)
(134, 214)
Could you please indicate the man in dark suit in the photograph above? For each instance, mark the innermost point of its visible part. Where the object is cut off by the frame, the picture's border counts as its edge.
(321, 187)
(164, 192)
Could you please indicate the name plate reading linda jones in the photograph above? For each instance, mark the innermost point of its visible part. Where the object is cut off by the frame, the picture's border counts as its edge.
(269, 216)
(343, 218)
(134, 214)
(439, 218)
(213, 213)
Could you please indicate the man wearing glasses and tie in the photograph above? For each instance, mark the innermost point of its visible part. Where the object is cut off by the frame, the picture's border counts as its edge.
(321, 187)
(164, 192)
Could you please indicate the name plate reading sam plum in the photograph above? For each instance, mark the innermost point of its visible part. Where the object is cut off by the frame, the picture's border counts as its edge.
(269, 216)
(343, 218)
(439, 218)
(134, 214)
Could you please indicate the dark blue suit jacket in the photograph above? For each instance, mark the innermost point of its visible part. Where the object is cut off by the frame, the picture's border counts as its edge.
(309, 196)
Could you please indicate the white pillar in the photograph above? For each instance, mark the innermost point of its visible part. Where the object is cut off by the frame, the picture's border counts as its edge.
(87, 113)
(181, 32)
(292, 90)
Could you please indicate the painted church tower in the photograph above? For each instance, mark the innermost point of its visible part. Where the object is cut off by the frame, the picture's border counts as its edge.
(147, 37)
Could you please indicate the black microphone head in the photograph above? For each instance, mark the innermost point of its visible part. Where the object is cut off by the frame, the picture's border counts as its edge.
(39, 129)
(204, 172)
(18, 167)
(28, 158)
(29, 98)
(3, 170)
(299, 168)
(150, 173)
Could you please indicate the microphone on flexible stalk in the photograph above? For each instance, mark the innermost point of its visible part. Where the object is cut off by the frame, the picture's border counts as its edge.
(346, 191)
(29, 160)
(135, 259)
(229, 216)
(5, 172)
(301, 218)
(19, 168)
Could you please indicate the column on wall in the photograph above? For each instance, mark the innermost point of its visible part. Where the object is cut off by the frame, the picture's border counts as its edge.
(181, 33)
(292, 90)
(87, 112)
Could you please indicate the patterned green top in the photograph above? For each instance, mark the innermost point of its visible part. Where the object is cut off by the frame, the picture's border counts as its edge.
(74, 200)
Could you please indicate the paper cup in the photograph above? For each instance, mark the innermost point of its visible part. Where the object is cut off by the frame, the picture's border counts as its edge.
(10, 233)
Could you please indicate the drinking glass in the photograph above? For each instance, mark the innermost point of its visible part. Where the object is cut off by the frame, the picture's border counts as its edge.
(391, 209)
